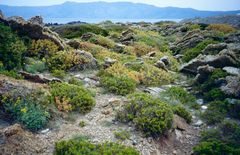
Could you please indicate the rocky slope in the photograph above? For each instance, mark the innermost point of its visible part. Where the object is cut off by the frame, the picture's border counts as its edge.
(79, 84)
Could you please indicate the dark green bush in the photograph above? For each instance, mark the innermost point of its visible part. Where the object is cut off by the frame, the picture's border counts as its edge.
(224, 139)
(214, 94)
(27, 111)
(178, 95)
(75, 31)
(234, 109)
(81, 147)
(182, 112)
(214, 148)
(216, 112)
(149, 114)
(11, 73)
(121, 85)
(78, 97)
(11, 48)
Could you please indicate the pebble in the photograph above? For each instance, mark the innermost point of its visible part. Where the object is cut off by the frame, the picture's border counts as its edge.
(45, 131)
(204, 107)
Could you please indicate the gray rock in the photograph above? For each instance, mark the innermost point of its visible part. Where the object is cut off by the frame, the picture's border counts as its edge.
(119, 48)
(90, 64)
(214, 49)
(233, 86)
(165, 60)
(38, 78)
(161, 65)
(223, 59)
(34, 31)
(179, 123)
(37, 20)
(109, 62)
(203, 73)
(87, 36)
(232, 70)
(198, 123)
(200, 101)
(233, 38)
(154, 90)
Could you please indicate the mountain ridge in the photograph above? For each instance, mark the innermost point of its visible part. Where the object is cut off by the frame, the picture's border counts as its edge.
(109, 10)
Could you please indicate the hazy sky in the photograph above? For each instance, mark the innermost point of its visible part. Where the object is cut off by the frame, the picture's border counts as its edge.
(197, 4)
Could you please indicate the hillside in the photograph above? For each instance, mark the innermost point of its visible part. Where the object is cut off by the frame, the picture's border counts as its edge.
(119, 88)
(103, 10)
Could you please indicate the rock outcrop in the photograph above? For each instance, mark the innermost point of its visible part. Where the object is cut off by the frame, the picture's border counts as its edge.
(232, 87)
(214, 49)
(33, 29)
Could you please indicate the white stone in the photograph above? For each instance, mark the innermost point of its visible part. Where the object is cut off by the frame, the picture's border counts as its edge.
(204, 107)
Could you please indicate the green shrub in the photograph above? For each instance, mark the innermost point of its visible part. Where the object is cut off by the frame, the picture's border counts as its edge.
(102, 41)
(153, 76)
(224, 28)
(12, 73)
(36, 67)
(59, 74)
(213, 148)
(78, 97)
(122, 135)
(66, 60)
(82, 124)
(121, 85)
(178, 95)
(27, 111)
(150, 115)
(223, 139)
(11, 48)
(214, 94)
(85, 147)
(215, 113)
(42, 48)
(75, 81)
(182, 112)
(194, 52)
(75, 31)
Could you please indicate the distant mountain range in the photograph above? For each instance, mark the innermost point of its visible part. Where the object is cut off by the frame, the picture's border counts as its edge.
(104, 10)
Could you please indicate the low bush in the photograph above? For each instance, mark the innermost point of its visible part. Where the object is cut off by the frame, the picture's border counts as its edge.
(178, 95)
(214, 94)
(224, 28)
(141, 49)
(35, 66)
(42, 48)
(153, 76)
(150, 115)
(102, 41)
(78, 97)
(65, 60)
(182, 112)
(76, 31)
(58, 73)
(11, 48)
(12, 73)
(121, 84)
(224, 139)
(122, 135)
(27, 111)
(85, 147)
(216, 112)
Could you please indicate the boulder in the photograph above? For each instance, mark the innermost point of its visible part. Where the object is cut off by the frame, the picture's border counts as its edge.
(74, 43)
(232, 87)
(37, 20)
(203, 73)
(87, 36)
(223, 59)
(38, 78)
(165, 60)
(214, 49)
(151, 54)
(90, 64)
(119, 48)
(161, 65)
(232, 70)
(108, 62)
(233, 38)
(127, 37)
(179, 123)
(33, 29)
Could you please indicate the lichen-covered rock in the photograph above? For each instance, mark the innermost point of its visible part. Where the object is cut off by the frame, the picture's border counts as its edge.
(232, 87)
(108, 62)
(160, 64)
(232, 70)
(165, 60)
(37, 20)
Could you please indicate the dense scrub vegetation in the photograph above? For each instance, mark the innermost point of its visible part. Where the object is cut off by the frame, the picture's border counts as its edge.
(85, 147)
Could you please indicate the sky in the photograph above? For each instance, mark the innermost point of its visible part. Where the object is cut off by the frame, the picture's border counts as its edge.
(220, 5)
